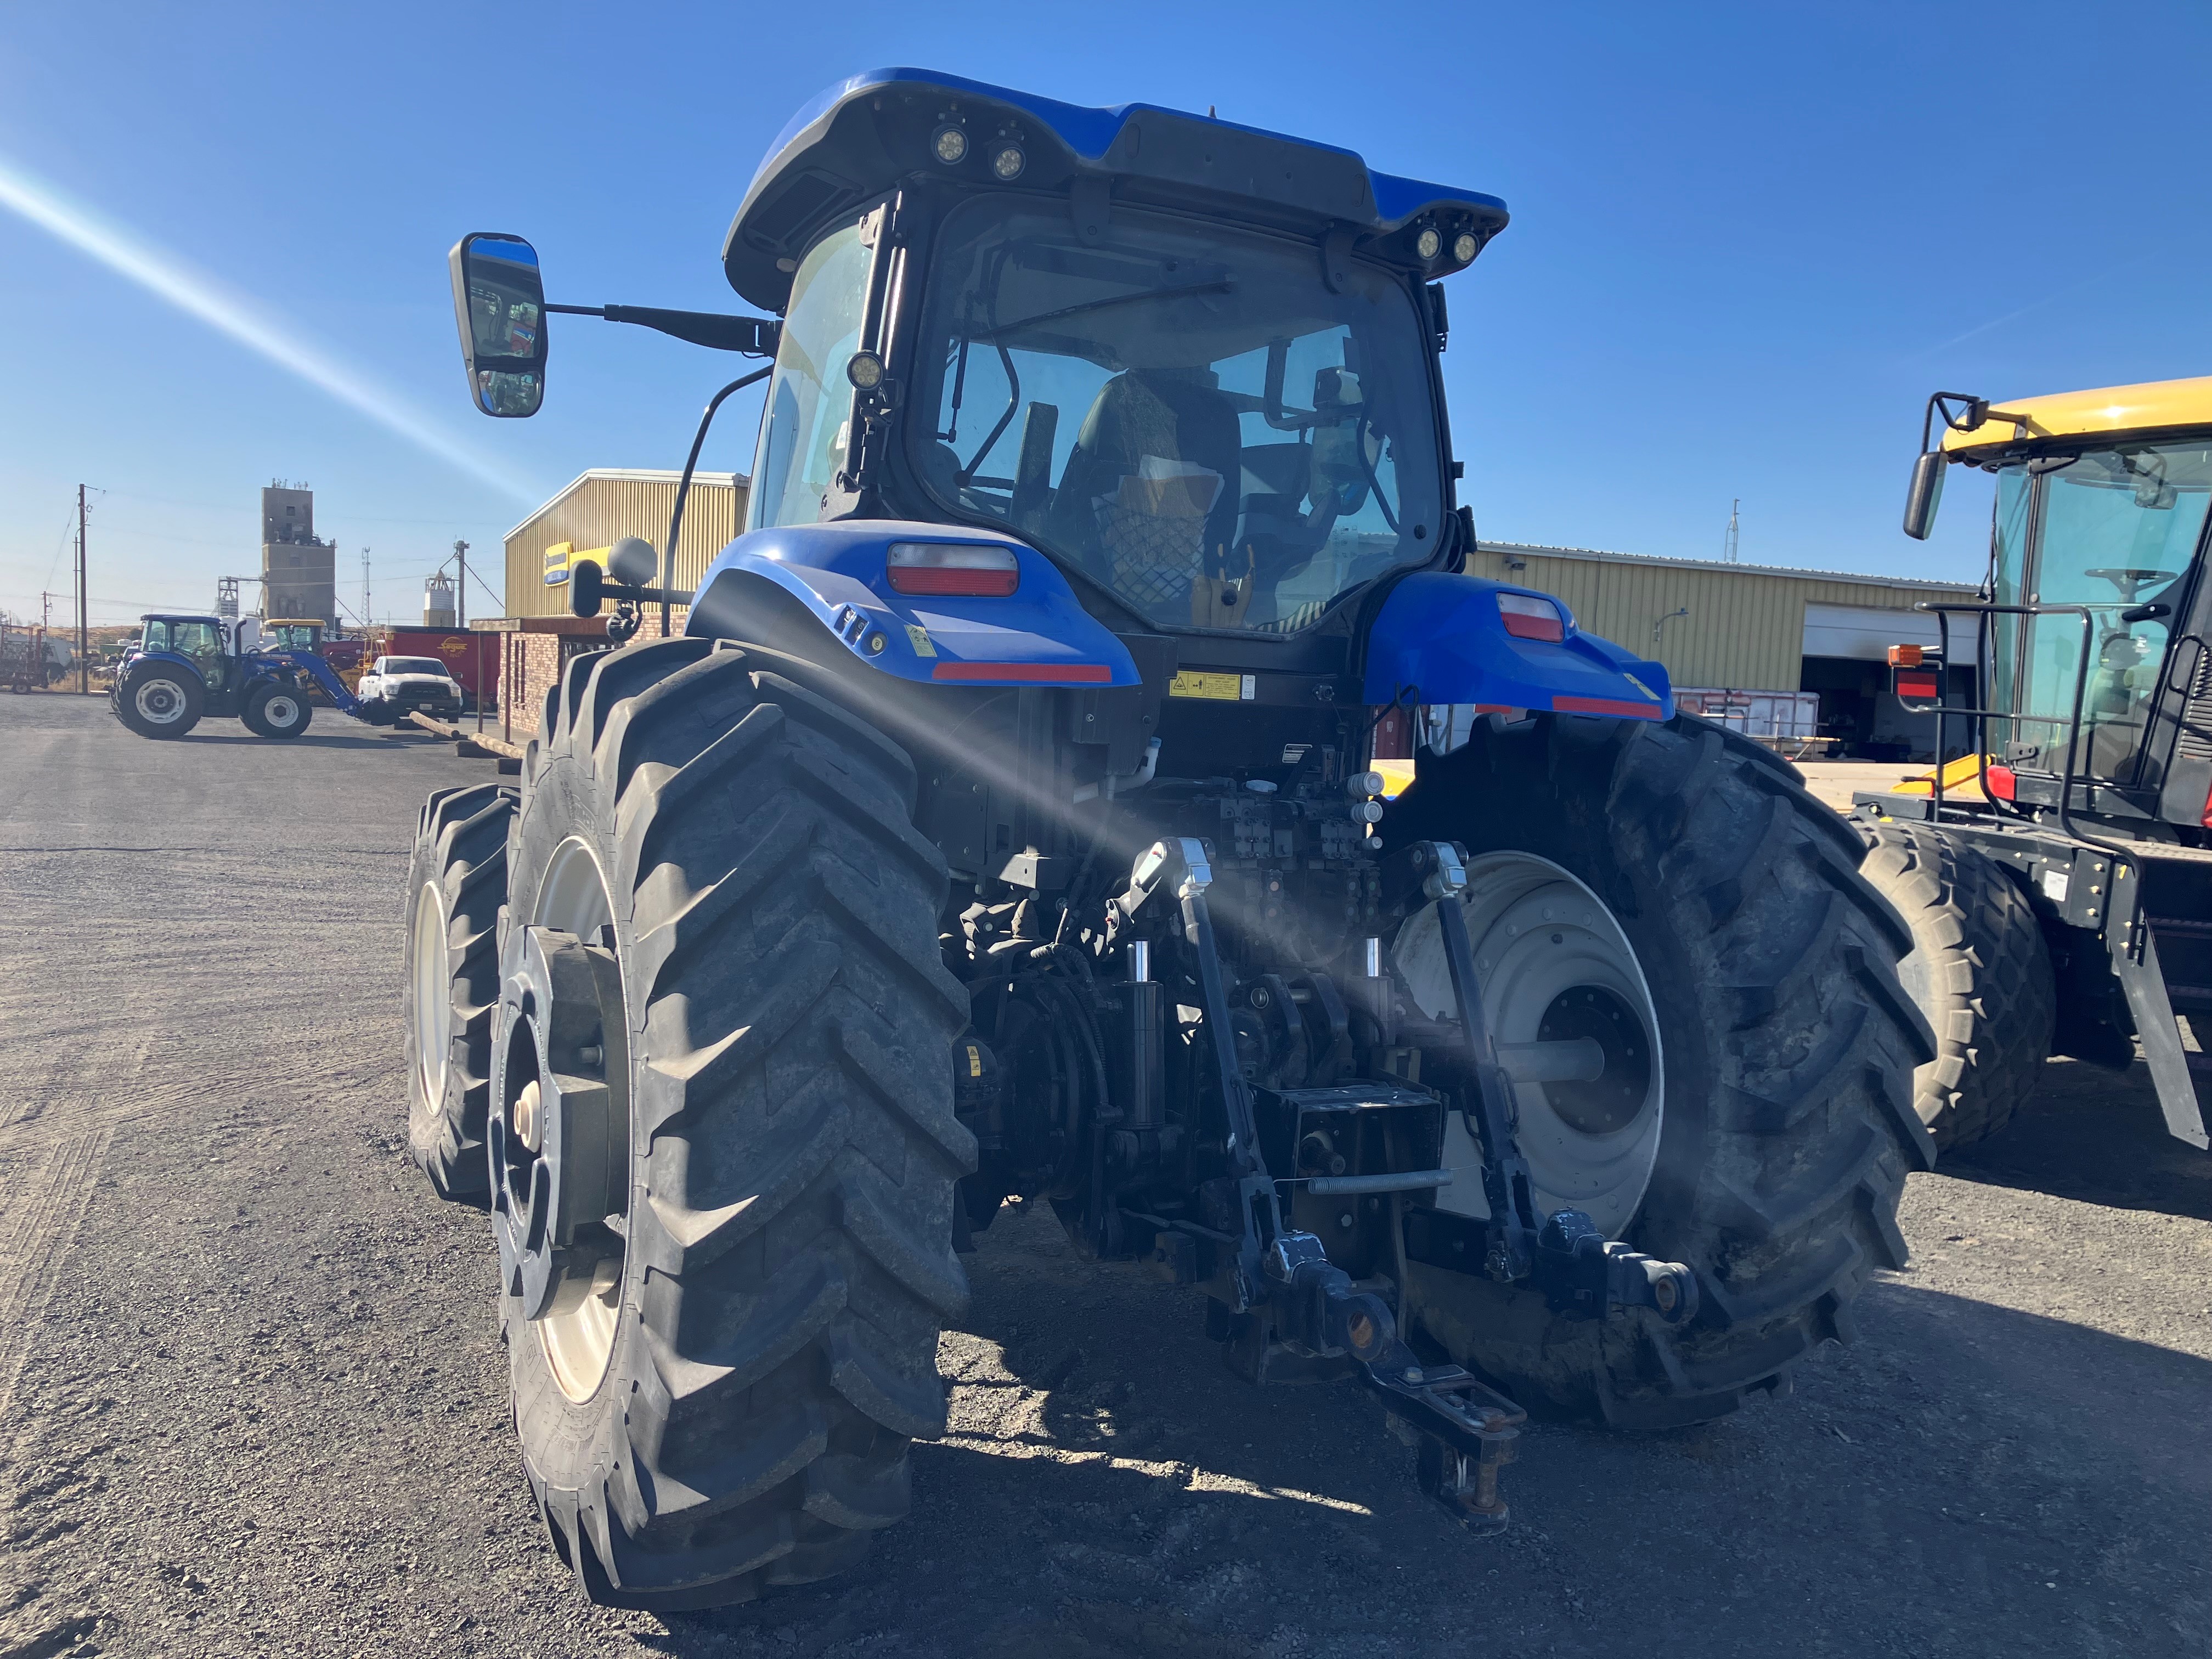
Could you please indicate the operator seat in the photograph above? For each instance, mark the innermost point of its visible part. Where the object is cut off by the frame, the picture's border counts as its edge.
(1174, 416)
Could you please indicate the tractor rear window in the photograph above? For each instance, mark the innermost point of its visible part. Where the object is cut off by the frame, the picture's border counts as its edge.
(1187, 413)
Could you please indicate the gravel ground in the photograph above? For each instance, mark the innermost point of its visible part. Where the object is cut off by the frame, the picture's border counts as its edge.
(252, 1399)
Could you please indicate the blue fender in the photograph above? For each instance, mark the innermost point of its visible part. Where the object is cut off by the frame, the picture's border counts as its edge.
(1441, 639)
(1039, 634)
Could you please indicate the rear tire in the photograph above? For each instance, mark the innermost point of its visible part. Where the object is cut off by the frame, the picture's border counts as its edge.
(1979, 971)
(456, 888)
(786, 1256)
(161, 702)
(1786, 1123)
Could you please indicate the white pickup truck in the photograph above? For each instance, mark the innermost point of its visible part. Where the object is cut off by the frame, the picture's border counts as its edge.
(396, 686)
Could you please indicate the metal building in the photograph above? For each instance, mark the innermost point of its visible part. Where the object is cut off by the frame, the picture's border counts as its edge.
(299, 573)
(600, 507)
(1755, 628)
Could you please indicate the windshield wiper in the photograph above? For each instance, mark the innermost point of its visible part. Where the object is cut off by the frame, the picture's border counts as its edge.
(1221, 283)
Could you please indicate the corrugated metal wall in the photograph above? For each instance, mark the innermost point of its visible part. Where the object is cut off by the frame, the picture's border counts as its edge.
(1746, 628)
(599, 510)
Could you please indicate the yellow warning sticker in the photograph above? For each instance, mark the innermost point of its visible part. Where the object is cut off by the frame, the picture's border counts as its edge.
(1219, 688)
(918, 636)
(975, 1061)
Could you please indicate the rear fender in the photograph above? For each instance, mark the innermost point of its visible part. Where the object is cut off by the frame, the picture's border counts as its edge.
(1441, 639)
(833, 576)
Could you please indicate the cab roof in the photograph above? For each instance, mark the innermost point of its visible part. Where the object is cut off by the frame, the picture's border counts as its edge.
(862, 136)
(2153, 406)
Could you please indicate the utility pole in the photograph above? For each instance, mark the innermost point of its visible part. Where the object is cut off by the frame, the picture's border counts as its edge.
(1728, 548)
(461, 588)
(84, 633)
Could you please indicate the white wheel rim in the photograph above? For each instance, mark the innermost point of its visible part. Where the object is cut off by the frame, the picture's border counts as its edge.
(579, 1339)
(160, 701)
(434, 996)
(1553, 965)
(280, 712)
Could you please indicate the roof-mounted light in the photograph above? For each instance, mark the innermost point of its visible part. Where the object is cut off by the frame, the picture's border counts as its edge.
(1007, 160)
(949, 144)
(1429, 243)
(1529, 617)
(1465, 248)
(968, 569)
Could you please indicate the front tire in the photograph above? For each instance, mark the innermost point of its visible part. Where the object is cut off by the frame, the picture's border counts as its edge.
(1979, 971)
(162, 701)
(456, 887)
(1783, 1120)
(720, 1388)
(276, 711)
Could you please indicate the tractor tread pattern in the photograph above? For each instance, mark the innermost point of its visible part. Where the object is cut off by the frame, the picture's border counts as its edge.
(1990, 990)
(1780, 1185)
(790, 1257)
(460, 844)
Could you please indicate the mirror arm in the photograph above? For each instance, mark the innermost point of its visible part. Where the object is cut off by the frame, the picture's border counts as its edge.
(755, 336)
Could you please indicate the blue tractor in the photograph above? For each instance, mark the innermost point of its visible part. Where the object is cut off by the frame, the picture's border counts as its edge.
(187, 667)
(1003, 825)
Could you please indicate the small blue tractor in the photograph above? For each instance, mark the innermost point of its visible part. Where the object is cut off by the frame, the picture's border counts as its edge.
(1003, 825)
(184, 668)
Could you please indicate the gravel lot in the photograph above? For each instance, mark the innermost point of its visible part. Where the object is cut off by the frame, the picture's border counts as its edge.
(252, 1399)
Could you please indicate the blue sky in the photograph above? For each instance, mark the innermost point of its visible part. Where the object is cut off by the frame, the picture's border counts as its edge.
(1747, 241)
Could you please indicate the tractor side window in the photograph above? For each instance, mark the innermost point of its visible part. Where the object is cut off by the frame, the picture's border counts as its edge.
(157, 636)
(1193, 418)
(807, 425)
(2120, 529)
(195, 639)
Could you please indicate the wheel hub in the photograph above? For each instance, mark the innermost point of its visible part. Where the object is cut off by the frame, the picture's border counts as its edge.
(159, 701)
(559, 1144)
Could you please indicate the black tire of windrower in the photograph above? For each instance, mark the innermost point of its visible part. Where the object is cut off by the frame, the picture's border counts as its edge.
(1788, 1050)
(255, 716)
(1980, 971)
(460, 848)
(791, 1111)
(189, 687)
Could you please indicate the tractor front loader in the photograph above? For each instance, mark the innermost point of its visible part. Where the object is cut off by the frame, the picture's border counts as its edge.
(2057, 878)
(1003, 824)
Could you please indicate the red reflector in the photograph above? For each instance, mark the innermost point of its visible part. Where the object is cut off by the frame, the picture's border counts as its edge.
(2001, 782)
(1030, 674)
(1635, 711)
(1917, 685)
(952, 568)
(1528, 618)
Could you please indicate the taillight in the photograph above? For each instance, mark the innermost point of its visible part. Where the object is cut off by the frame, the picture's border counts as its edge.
(953, 568)
(1528, 618)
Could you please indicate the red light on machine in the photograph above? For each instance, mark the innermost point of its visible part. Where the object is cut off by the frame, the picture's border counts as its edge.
(1915, 687)
(2002, 783)
(1904, 656)
(964, 568)
(1528, 618)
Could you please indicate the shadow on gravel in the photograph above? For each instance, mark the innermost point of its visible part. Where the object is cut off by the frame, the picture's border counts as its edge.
(2096, 1137)
(312, 739)
(2017, 1485)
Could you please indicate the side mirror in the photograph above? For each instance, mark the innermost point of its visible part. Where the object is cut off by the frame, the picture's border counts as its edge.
(634, 563)
(1927, 490)
(499, 301)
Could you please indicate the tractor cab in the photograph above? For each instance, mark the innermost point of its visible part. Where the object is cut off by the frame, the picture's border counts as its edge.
(208, 643)
(294, 634)
(2095, 671)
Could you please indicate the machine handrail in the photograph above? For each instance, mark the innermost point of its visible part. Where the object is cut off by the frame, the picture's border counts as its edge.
(1940, 610)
